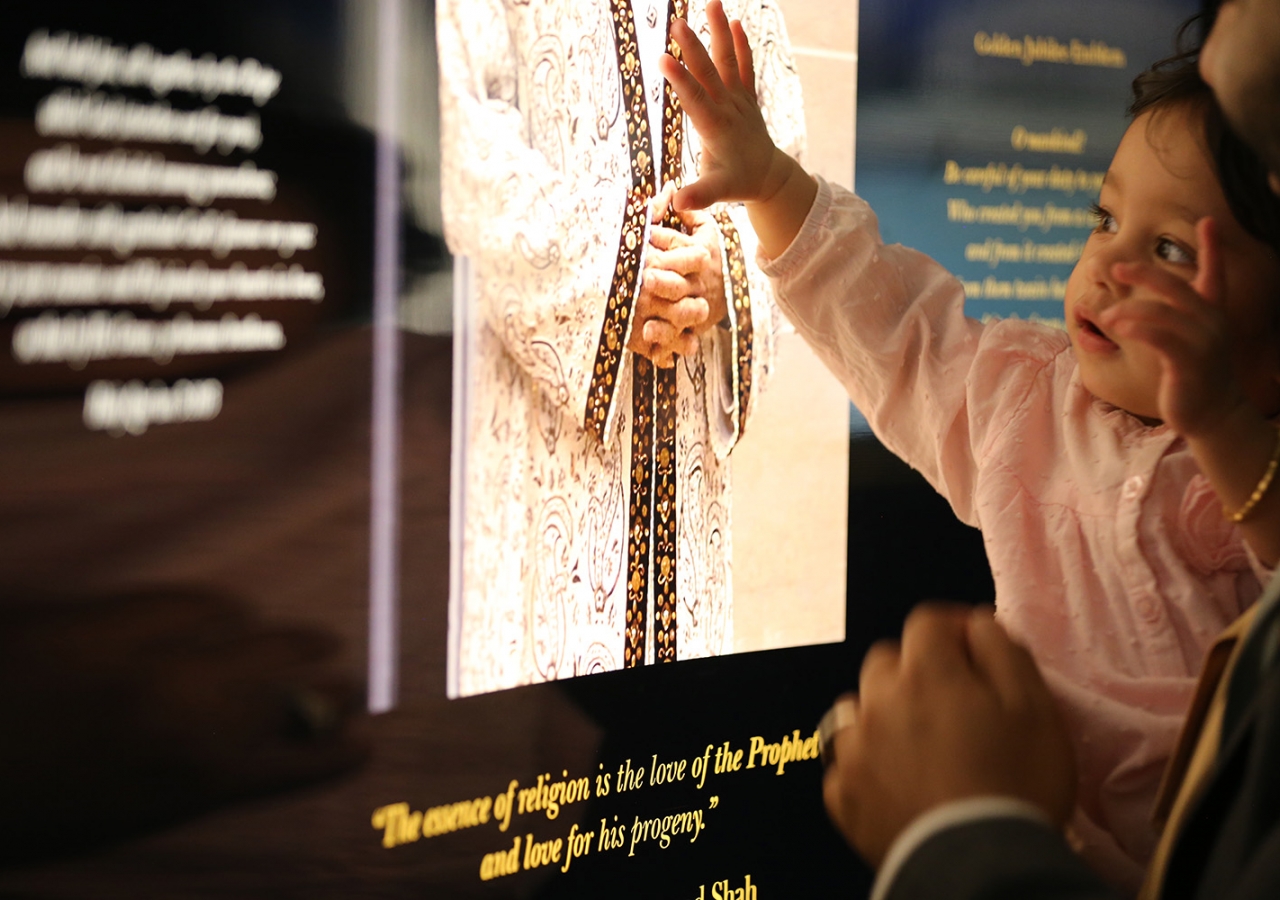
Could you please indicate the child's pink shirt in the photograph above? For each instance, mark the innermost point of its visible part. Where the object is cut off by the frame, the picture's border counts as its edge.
(1113, 562)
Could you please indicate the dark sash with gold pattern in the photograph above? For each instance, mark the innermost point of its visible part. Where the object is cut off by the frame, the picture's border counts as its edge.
(652, 507)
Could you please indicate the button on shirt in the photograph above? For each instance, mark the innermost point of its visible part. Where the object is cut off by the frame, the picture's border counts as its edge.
(1112, 560)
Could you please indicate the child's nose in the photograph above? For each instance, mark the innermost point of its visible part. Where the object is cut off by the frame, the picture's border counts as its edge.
(1103, 258)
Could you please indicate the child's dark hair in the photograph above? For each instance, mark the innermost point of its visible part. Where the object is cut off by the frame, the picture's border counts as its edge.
(1176, 81)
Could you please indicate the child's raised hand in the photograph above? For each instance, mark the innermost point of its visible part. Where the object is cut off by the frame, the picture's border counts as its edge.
(739, 158)
(1186, 327)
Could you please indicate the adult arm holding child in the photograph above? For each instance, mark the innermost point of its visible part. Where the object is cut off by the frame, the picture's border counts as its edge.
(956, 760)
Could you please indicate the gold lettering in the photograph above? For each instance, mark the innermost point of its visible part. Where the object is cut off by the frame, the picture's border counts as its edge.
(1056, 140)
(1018, 179)
(503, 862)
(1031, 49)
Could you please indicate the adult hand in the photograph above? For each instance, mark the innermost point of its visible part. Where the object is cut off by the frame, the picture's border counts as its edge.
(682, 292)
(706, 278)
(957, 710)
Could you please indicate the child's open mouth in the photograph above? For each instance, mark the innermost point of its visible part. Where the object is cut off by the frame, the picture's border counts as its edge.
(1090, 337)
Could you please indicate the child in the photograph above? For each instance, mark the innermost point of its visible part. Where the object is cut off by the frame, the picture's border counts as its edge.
(1097, 460)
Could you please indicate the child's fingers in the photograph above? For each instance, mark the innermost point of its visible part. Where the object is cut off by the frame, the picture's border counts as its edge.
(659, 205)
(723, 45)
(699, 103)
(746, 65)
(1130, 316)
(1168, 285)
(702, 193)
(1164, 328)
(1208, 284)
(698, 66)
(1211, 277)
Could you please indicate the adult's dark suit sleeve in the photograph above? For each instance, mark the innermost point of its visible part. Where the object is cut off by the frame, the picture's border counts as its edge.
(1228, 849)
(1230, 846)
(996, 859)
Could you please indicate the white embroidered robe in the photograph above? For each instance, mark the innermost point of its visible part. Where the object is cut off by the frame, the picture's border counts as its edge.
(540, 167)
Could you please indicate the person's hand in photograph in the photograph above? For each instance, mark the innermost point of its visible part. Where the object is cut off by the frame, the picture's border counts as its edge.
(706, 278)
(682, 290)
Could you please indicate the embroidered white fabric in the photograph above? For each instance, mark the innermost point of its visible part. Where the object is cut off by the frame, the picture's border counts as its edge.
(535, 175)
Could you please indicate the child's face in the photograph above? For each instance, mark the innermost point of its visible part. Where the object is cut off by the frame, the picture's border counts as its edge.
(1159, 185)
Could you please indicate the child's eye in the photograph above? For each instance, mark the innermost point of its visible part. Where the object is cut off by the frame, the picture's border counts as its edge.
(1105, 221)
(1171, 251)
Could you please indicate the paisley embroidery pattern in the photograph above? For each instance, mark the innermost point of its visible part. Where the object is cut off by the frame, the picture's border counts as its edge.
(551, 143)
(626, 272)
(617, 319)
(551, 588)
